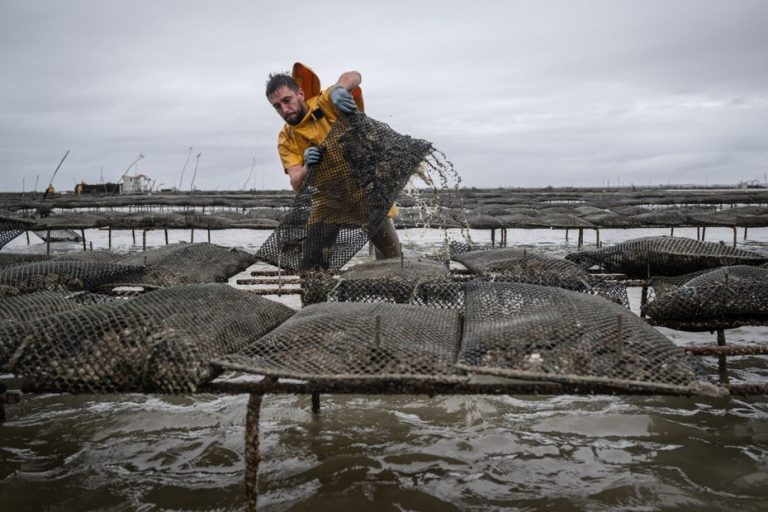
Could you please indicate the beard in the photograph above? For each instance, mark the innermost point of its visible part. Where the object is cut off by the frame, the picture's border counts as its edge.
(296, 118)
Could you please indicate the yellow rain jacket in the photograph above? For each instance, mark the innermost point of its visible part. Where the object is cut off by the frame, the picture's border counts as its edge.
(313, 129)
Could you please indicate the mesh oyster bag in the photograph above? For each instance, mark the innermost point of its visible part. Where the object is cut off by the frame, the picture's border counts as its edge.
(526, 266)
(724, 297)
(365, 166)
(162, 341)
(664, 256)
(11, 227)
(10, 259)
(545, 333)
(187, 263)
(399, 281)
(63, 275)
(346, 342)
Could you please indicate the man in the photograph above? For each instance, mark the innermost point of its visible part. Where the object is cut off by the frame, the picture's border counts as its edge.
(308, 119)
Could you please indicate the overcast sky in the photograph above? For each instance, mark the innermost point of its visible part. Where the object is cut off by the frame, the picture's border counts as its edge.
(515, 93)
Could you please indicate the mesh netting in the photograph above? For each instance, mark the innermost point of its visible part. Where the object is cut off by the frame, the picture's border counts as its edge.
(63, 275)
(525, 266)
(351, 341)
(185, 263)
(9, 259)
(365, 166)
(664, 256)
(160, 341)
(10, 228)
(728, 296)
(21, 308)
(400, 281)
(537, 332)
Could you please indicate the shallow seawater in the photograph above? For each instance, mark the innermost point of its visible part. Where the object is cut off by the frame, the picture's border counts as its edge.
(395, 453)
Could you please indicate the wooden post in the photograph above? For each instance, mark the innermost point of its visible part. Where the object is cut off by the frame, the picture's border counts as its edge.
(192, 235)
(566, 234)
(698, 233)
(133, 234)
(48, 242)
(703, 233)
(597, 237)
(581, 238)
(493, 237)
(252, 454)
(672, 231)
(143, 239)
(109, 237)
(27, 232)
(734, 236)
(82, 236)
(745, 233)
(166, 236)
(209, 236)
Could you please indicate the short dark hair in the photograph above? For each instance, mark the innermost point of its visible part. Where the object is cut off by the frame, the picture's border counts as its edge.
(279, 80)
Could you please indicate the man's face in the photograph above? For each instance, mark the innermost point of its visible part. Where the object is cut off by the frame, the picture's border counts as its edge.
(289, 105)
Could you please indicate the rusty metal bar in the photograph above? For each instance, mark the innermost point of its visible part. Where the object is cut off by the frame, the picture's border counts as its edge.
(315, 403)
(268, 273)
(751, 389)
(730, 350)
(431, 388)
(252, 453)
(722, 364)
(3, 389)
(276, 291)
(294, 280)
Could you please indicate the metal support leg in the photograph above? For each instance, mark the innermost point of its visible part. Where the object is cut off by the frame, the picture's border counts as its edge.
(252, 454)
(315, 402)
(3, 389)
(722, 362)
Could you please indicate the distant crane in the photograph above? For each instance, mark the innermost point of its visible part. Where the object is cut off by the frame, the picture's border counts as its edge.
(192, 183)
(50, 184)
(189, 155)
(141, 155)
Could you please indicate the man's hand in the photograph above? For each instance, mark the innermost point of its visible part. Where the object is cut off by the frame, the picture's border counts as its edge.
(342, 99)
(312, 156)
